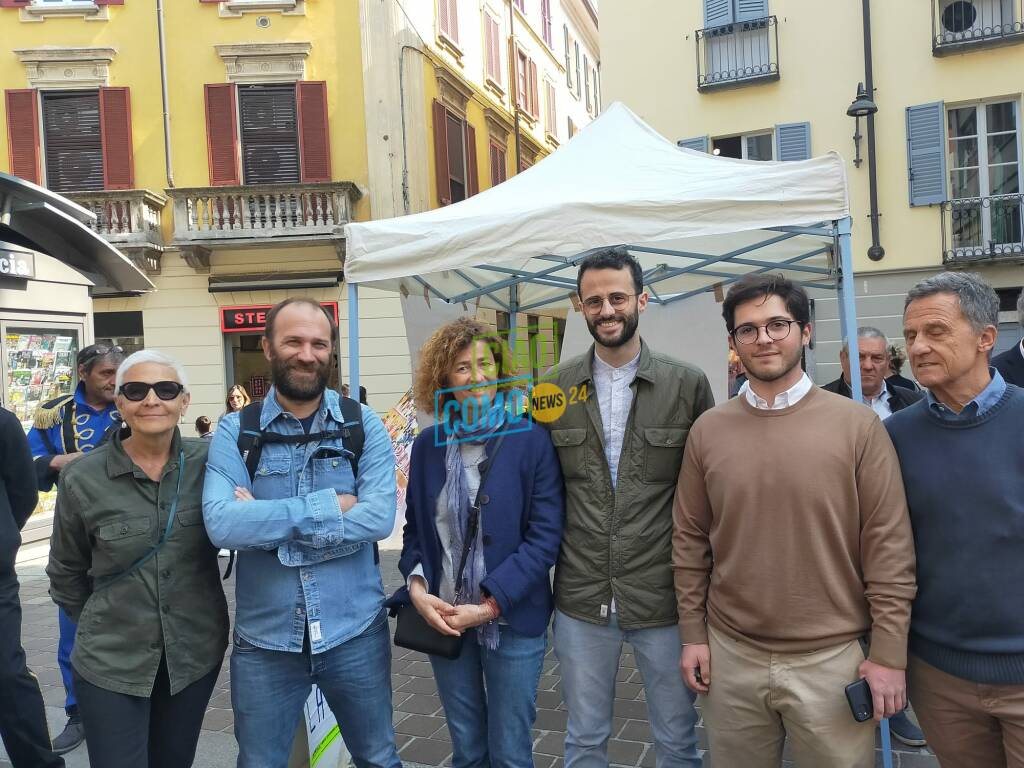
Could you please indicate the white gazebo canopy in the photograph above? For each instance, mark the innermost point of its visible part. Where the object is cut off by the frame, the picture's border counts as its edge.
(692, 219)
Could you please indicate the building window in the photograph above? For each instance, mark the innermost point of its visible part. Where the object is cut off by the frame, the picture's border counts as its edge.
(586, 83)
(269, 134)
(572, 129)
(550, 110)
(454, 155)
(545, 22)
(120, 329)
(526, 84)
(520, 4)
(752, 146)
(579, 78)
(499, 163)
(492, 50)
(984, 174)
(72, 147)
(448, 19)
(568, 56)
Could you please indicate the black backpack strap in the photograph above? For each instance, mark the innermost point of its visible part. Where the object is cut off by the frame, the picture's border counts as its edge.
(352, 434)
(352, 437)
(250, 437)
(250, 446)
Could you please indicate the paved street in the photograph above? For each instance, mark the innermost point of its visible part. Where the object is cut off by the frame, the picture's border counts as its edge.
(419, 721)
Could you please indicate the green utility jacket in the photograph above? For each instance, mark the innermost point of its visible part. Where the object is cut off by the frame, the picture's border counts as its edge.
(617, 542)
(108, 515)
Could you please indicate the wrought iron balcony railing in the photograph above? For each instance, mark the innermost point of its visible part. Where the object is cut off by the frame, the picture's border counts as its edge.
(208, 215)
(959, 25)
(740, 53)
(980, 229)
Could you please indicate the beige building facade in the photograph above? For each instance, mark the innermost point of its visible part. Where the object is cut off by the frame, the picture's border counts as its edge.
(772, 80)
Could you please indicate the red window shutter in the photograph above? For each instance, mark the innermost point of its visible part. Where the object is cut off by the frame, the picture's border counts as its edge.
(222, 134)
(473, 183)
(116, 135)
(209, 1)
(23, 133)
(314, 133)
(109, 2)
(14, 4)
(444, 185)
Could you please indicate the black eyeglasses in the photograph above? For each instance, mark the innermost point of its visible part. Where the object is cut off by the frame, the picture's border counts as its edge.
(139, 390)
(777, 330)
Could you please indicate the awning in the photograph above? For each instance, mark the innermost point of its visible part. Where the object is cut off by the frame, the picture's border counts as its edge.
(34, 217)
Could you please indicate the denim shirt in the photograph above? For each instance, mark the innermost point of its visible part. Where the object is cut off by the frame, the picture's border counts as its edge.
(982, 403)
(300, 560)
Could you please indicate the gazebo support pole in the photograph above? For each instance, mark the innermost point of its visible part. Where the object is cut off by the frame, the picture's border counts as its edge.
(847, 305)
(353, 340)
(513, 310)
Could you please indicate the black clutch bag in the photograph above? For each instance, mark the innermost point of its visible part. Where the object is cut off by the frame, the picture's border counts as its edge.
(413, 632)
(411, 629)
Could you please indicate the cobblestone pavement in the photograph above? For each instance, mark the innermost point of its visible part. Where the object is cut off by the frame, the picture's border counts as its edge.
(420, 727)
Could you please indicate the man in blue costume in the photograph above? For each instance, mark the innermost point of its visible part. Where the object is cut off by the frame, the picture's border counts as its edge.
(64, 429)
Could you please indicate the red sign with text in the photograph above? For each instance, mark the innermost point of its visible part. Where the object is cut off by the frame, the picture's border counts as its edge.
(253, 319)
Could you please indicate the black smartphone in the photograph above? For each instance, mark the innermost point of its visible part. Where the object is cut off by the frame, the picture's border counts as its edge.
(861, 704)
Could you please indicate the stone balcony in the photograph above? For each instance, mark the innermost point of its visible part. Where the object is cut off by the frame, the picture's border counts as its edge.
(255, 215)
(130, 220)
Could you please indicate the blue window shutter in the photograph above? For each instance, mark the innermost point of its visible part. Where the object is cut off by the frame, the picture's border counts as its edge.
(700, 143)
(926, 158)
(793, 141)
(717, 12)
(748, 10)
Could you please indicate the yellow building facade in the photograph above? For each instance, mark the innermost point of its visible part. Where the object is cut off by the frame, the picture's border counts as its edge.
(773, 79)
(224, 144)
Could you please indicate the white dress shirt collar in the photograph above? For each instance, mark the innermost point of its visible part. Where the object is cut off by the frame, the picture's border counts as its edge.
(786, 399)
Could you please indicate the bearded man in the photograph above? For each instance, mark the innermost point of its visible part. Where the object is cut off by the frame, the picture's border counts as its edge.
(620, 443)
(308, 594)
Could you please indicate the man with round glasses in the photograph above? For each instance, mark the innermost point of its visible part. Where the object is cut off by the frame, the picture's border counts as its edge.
(790, 548)
(64, 429)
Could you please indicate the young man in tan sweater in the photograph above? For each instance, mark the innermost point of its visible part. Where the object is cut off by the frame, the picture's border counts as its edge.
(791, 544)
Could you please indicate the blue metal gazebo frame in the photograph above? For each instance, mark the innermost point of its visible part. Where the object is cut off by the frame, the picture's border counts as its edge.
(832, 238)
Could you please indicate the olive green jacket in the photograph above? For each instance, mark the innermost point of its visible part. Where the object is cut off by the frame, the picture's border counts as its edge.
(109, 514)
(617, 542)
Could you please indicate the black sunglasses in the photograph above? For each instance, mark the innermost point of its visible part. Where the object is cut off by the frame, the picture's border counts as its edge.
(139, 390)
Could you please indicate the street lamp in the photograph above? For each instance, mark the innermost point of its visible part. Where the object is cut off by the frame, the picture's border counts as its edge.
(862, 106)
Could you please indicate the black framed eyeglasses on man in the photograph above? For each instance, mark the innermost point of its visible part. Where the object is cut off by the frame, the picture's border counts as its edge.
(594, 304)
(95, 351)
(776, 329)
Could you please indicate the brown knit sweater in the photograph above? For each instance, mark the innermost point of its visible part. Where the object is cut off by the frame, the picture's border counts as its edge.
(791, 529)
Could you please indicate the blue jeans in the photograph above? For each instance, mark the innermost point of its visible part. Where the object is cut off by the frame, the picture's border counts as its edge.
(268, 689)
(490, 699)
(588, 658)
(66, 629)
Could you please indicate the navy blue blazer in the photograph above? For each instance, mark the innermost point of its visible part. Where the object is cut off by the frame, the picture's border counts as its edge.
(521, 521)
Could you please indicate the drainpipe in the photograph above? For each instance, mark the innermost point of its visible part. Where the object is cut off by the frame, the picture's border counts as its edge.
(514, 87)
(163, 89)
(876, 252)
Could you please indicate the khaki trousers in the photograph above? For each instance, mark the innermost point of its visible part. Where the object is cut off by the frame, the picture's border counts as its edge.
(968, 724)
(757, 698)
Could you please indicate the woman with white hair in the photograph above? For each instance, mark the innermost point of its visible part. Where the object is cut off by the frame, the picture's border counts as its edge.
(130, 561)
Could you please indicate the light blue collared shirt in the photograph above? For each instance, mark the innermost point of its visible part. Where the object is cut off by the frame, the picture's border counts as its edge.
(980, 405)
(300, 560)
